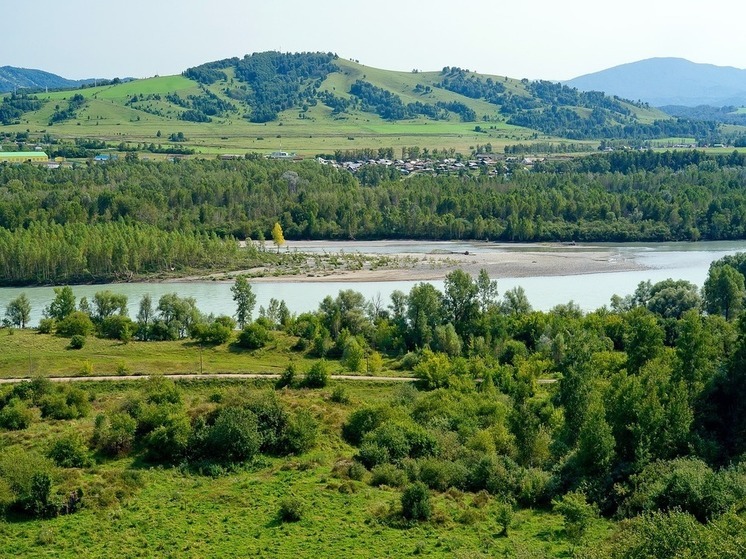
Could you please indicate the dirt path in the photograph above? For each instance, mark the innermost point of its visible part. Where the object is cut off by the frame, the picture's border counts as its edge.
(229, 376)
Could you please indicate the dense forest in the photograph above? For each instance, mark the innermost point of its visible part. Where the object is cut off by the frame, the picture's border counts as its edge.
(645, 421)
(621, 196)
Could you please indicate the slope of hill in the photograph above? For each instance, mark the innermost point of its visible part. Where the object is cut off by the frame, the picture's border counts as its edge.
(12, 78)
(669, 81)
(319, 103)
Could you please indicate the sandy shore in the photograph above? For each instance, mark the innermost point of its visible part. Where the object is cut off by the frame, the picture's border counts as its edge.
(500, 261)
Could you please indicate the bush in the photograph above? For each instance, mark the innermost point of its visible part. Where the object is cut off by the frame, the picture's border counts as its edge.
(339, 395)
(234, 437)
(577, 512)
(77, 342)
(301, 432)
(216, 333)
(388, 474)
(70, 451)
(68, 402)
(287, 377)
(114, 435)
(415, 502)
(363, 421)
(76, 323)
(291, 509)
(356, 471)
(253, 336)
(27, 477)
(169, 442)
(16, 415)
(46, 325)
(441, 475)
(317, 376)
(116, 327)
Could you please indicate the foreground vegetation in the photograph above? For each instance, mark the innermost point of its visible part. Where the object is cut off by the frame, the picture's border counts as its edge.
(636, 451)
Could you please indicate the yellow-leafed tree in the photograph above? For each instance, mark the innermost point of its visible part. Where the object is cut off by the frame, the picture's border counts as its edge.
(277, 236)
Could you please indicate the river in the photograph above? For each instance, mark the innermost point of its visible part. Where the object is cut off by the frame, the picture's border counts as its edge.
(688, 261)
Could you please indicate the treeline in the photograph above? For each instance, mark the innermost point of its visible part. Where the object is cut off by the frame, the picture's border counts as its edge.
(14, 105)
(47, 253)
(567, 123)
(389, 105)
(620, 196)
(546, 147)
(460, 81)
(75, 103)
(726, 115)
(201, 108)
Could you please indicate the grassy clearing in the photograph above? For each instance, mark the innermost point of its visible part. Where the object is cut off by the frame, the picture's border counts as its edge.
(27, 353)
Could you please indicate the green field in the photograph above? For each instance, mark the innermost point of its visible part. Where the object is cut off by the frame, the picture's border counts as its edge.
(107, 116)
(28, 354)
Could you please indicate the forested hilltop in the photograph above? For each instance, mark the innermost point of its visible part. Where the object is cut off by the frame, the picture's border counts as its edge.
(99, 222)
(317, 101)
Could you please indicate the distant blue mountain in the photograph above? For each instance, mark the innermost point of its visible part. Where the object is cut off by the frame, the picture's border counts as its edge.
(669, 81)
(12, 78)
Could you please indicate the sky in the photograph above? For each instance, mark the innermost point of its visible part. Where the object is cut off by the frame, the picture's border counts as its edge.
(541, 39)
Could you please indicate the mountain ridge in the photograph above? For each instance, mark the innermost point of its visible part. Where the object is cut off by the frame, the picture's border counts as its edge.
(13, 78)
(662, 81)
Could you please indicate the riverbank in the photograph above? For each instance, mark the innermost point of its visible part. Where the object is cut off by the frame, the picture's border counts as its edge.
(426, 261)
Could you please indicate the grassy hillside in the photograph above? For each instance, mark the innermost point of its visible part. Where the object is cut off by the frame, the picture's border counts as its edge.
(150, 110)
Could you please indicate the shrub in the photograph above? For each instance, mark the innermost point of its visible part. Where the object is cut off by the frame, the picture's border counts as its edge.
(301, 432)
(16, 415)
(253, 336)
(363, 421)
(371, 455)
(215, 333)
(339, 395)
(77, 342)
(46, 325)
(116, 327)
(67, 402)
(114, 435)
(169, 442)
(27, 477)
(577, 512)
(504, 517)
(234, 437)
(76, 323)
(317, 376)
(287, 377)
(353, 355)
(415, 502)
(356, 471)
(388, 474)
(441, 474)
(70, 451)
(291, 509)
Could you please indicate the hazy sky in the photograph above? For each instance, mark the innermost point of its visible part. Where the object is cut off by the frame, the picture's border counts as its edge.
(550, 39)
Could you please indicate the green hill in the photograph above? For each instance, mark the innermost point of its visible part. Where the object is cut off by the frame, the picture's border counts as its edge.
(318, 103)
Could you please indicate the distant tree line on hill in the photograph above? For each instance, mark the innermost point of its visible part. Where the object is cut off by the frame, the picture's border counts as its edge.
(460, 81)
(75, 103)
(14, 105)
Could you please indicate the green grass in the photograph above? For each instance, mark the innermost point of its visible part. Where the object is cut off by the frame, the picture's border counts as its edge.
(235, 516)
(27, 353)
(172, 513)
